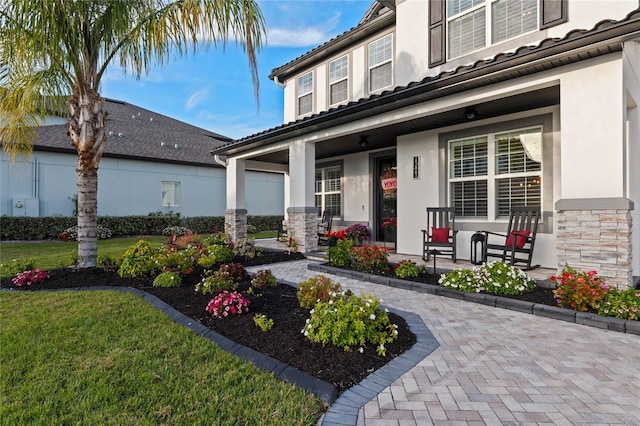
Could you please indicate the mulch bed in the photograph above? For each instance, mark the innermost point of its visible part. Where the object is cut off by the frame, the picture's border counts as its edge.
(284, 341)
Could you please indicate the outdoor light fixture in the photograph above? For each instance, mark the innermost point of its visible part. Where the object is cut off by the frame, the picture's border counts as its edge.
(470, 113)
(363, 141)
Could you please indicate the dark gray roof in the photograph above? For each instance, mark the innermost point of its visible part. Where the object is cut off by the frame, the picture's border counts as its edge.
(604, 38)
(138, 133)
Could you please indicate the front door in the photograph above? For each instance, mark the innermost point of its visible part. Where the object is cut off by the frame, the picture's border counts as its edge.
(386, 193)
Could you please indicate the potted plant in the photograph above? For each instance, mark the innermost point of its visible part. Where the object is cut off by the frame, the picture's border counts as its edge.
(358, 233)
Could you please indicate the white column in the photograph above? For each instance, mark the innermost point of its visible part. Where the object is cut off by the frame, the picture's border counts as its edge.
(302, 213)
(235, 184)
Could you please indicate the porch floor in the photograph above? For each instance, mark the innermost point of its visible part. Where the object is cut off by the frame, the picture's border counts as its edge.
(443, 264)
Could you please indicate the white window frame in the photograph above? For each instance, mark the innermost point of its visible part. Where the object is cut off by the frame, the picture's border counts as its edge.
(488, 6)
(372, 66)
(302, 92)
(170, 194)
(340, 79)
(492, 175)
(326, 186)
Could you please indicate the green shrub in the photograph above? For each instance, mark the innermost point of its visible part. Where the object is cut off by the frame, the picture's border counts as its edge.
(221, 254)
(623, 304)
(406, 269)
(340, 254)
(501, 278)
(263, 279)
(579, 290)
(245, 247)
(18, 265)
(138, 260)
(317, 289)
(108, 263)
(216, 282)
(351, 322)
(167, 279)
(370, 259)
(263, 322)
(460, 279)
(180, 261)
(206, 261)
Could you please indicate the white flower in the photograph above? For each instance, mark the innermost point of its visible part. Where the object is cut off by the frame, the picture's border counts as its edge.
(360, 349)
(372, 317)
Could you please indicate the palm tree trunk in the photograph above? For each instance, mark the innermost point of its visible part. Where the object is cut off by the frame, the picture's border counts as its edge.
(86, 123)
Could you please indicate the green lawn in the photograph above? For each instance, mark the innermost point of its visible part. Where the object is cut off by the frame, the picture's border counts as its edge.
(56, 254)
(104, 357)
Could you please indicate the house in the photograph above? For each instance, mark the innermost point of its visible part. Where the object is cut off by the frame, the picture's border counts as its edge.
(477, 105)
(152, 163)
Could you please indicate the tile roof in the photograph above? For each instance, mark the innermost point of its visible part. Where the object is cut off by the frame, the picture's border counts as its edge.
(137, 133)
(460, 78)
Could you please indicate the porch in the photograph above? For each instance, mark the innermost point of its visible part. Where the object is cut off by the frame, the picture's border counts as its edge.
(443, 264)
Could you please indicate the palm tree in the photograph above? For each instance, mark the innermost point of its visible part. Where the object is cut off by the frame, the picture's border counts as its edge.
(55, 52)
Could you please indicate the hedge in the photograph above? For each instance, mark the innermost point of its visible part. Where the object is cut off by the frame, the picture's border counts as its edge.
(47, 228)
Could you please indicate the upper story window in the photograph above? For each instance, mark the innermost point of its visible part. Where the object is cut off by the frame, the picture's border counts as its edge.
(305, 94)
(489, 174)
(339, 80)
(474, 24)
(381, 63)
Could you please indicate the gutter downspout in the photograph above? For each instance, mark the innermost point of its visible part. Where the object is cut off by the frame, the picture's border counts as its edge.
(280, 84)
(221, 159)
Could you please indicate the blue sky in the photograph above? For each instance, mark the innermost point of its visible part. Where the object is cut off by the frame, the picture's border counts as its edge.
(213, 89)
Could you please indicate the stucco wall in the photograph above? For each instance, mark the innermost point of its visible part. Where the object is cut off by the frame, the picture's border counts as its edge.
(128, 187)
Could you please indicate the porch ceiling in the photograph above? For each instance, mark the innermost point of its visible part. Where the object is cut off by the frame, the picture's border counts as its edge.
(385, 136)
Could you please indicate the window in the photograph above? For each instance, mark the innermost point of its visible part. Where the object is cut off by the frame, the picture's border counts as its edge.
(471, 27)
(305, 94)
(339, 80)
(170, 194)
(416, 167)
(380, 63)
(490, 174)
(329, 189)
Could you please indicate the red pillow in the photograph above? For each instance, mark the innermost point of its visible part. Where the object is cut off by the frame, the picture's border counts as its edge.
(521, 238)
(439, 235)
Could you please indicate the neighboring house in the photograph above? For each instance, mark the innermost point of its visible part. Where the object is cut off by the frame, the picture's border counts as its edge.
(479, 105)
(152, 163)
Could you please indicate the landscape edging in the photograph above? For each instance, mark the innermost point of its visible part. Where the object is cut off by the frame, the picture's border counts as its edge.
(554, 312)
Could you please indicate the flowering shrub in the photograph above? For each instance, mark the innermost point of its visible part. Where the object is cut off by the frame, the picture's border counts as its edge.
(18, 265)
(180, 262)
(263, 322)
(620, 304)
(226, 303)
(263, 279)
(175, 230)
(217, 239)
(252, 229)
(235, 271)
(337, 235)
(405, 269)
(218, 254)
(390, 224)
(216, 282)
(340, 254)
(502, 278)
(71, 234)
(138, 260)
(167, 279)
(317, 289)
(357, 232)
(461, 280)
(370, 259)
(492, 277)
(348, 322)
(26, 278)
(579, 290)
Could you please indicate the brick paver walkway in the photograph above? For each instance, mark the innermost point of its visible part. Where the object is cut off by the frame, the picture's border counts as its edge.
(500, 367)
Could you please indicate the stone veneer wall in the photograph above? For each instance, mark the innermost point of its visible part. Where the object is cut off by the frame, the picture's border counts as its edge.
(304, 224)
(235, 224)
(596, 239)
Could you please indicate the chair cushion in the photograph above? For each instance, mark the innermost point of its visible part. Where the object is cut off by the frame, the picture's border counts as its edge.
(439, 235)
(520, 236)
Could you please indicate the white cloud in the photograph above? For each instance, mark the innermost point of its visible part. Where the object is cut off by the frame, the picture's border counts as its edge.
(198, 97)
(303, 36)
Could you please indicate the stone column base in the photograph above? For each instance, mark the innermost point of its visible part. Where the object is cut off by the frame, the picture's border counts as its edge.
(303, 227)
(235, 224)
(596, 240)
